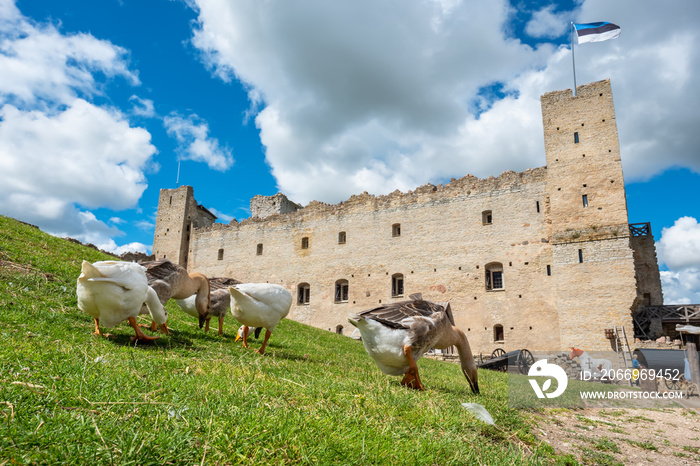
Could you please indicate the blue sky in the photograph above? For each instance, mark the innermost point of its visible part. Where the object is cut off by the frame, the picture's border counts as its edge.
(101, 101)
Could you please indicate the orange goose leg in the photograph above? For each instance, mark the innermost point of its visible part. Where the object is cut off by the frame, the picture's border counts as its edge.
(411, 379)
(139, 334)
(267, 337)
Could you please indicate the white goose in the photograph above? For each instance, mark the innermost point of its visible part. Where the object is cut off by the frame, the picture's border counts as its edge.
(259, 305)
(396, 335)
(114, 291)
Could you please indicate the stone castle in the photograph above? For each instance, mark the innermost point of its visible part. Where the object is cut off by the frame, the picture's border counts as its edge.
(543, 259)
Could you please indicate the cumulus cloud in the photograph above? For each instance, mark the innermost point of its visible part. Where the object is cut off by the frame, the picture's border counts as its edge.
(40, 66)
(679, 250)
(362, 95)
(59, 153)
(195, 143)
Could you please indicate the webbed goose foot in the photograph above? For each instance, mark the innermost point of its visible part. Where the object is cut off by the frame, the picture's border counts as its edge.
(411, 379)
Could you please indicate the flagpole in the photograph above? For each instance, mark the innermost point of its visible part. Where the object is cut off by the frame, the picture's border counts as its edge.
(573, 59)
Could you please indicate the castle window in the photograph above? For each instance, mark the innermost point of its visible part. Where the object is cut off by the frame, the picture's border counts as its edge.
(498, 334)
(305, 242)
(494, 276)
(260, 249)
(342, 237)
(549, 270)
(221, 254)
(397, 285)
(575, 138)
(580, 256)
(339, 329)
(537, 206)
(341, 291)
(487, 217)
(304, 293)
(584, 198)
(396, 229)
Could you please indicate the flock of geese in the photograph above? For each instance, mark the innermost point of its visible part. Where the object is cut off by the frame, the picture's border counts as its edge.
(395, 335)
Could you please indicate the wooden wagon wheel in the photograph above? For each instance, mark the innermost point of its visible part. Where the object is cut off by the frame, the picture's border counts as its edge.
(497, 353)
(525, 360)
(674, 384)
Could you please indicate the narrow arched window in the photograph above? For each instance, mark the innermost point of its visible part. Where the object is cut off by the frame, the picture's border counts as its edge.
(494, 276)
(221, 255)
(342, 237)
(396, 229)
(260, 249)
(303, 293)
(341, 291)
(397, 285)
(498, 334)
(487, 217)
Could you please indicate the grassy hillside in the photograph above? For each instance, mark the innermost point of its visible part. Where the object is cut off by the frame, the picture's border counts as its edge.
(67, 396)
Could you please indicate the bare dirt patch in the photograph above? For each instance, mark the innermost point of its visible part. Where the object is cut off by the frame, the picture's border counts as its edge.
(669, 436)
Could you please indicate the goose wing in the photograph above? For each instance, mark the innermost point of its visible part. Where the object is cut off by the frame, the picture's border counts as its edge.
(160, 270)
(397, 315)
(222, 283)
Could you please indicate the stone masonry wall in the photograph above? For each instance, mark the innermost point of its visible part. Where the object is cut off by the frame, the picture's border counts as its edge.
(442, 252)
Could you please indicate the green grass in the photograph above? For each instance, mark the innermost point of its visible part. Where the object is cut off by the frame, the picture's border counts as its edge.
(67, 396)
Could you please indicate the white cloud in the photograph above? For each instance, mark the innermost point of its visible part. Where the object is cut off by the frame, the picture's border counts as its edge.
(679, 246)
(39, 65)
(85, 155)
(365, 96)
(547, 23)
(679, 250)
(60, 153)
(221, 216)
(195, 143)
(142, 107)
(681, 287)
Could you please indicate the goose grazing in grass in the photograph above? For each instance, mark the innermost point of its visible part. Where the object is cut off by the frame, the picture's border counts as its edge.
(113, 291)
(259, 305)
(396, 335)
(220, 302)
(173, 281)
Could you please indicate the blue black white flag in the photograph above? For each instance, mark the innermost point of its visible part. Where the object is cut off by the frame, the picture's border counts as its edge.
(596, 32)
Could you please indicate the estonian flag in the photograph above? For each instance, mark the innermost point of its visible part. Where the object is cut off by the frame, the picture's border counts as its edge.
(596, 32)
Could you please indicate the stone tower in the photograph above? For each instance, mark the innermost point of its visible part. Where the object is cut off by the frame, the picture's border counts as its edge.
(592, 258)
(178, 214)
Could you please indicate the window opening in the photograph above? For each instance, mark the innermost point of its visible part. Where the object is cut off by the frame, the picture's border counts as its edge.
(304, 293)
(494, 276)
(221, 254)
(549, 270)
(260, 249)
(396, 229)
(397, 285)
(487, 217)
(580, 255)
(341, 291)
(305, 242)
(584, 198)
(342, 237)
(575, 138)
(498, 334)
(537, 205)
